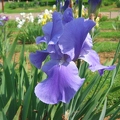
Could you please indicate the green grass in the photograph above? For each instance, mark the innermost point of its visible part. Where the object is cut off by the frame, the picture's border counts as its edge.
(49, 6)
(30, 10)
(106, 46)
(109, 8)
(28, 47)
(35, 9)
(106, 25)
(113, 34)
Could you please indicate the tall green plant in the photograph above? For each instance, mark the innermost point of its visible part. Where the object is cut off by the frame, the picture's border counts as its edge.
(29, 33)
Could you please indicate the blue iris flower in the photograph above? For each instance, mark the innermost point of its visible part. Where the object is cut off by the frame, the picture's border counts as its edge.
(94, 6)
(67, 40)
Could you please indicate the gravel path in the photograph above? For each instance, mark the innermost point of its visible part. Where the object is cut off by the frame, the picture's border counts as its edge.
(108, 14)
(14, 15)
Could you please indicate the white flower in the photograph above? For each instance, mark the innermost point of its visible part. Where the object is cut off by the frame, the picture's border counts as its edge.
(19, 25)
(22, 14)
(83, 6)
(51, 11)
(39, 21)
(46, 11)
(17, 19)
(31, 19)
(23, 21)
(54, 7)
(40, 16)
(30, 14)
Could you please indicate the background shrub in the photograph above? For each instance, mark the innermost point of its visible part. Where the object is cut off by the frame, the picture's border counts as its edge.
(20, 4)
(107, 3)
(29, 33)
(13, 5)
(118, 3)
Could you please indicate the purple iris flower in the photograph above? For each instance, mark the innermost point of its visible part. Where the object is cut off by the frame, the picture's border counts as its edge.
(94, 5)
(67, 40)
(3, 19)
(66, 5)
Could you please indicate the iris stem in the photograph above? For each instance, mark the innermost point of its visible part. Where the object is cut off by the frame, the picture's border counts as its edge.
(80, 8)
(64, 106)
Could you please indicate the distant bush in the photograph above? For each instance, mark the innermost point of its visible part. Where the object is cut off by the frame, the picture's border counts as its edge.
(107, 3)
(20, 4)
(118, 3)
(13, 5)
(29, 34)
(25, 5)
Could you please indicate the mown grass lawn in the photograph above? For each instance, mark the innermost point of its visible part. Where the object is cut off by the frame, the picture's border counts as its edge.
(36, 9)
(106, 40)
(47, 4)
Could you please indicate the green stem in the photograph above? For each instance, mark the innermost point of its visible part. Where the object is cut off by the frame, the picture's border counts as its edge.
(64, 106)
(80, 8)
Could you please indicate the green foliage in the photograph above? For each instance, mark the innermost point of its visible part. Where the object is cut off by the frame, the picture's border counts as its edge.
(12, 5)
(104, 18)
(118, 3)
(107, 2)
(106, 46)
(29, 33)
(33, 4)
(110, 34)
(22, 6)
(94, 100)
(116, 23)
(106, 25)
(18, 99)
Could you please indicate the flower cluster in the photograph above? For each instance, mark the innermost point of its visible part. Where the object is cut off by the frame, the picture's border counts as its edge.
(24, 18)
(42, 18)
(67, 40)
(45, 17)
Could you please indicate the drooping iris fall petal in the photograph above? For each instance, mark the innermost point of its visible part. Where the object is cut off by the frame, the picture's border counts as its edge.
(61, 85)
(92, 59)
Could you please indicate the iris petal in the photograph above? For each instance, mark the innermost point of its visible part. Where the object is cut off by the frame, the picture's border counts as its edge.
(87, 45)
(92, 59)
(37, 58)
(66, 5)
(57, 28)
(67, 15)
(61, 85)
(47, 30)
(40, 39)
(94, 5)
(75, 33)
